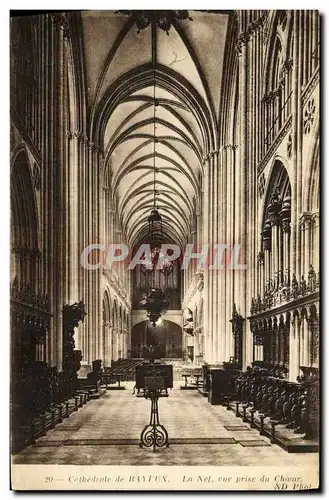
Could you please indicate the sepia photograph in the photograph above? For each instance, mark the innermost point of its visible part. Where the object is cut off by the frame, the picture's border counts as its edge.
(165, 250)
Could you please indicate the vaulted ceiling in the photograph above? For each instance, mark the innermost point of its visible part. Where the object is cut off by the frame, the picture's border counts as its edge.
(183, 70)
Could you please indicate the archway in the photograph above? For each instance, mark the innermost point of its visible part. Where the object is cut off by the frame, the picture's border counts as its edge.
(28, 325)
(166, 337)
(24, 223)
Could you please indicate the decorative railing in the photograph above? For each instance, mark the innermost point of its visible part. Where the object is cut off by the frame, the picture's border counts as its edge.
(25, 295)
(285, 292)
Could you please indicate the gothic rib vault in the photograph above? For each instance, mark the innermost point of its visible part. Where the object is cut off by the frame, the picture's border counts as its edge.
(122, 66)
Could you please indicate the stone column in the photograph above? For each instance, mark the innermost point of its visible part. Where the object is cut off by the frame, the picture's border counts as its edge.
(294, 349)
(230, 240)
(114, 343)
(267, 261)
(106, 357)
(221, 345)
(286, 251)
(275, 251)
(261, 274)
(110, 337)
(305, 230)
(58, 167)
(316, 241)
(72, 223)
(244, 189)
(304, 343)
(208, 355)
(120, 346)
(297, 134)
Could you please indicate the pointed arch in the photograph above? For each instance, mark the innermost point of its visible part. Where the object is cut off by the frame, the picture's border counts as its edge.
(24, 219)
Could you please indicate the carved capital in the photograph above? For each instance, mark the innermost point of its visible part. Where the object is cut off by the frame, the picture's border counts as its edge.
(275, 220)
(305, 220)
(61, 21)
(286, 227)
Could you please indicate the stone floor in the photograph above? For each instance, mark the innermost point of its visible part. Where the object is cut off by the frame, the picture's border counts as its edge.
(106, 432)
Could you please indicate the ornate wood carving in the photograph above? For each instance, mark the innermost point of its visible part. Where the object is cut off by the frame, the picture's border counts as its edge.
(264, 389)
(285, 292)
(72, 315)
(237, 330)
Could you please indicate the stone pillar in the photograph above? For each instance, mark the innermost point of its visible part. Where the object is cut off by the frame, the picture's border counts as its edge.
(120, 343)
(74, 228)
(59, 278)
(267, 260)
(305, 230)
(275, 252)
(261, 273)
(316, 241)
(294, 349)
(243, 188)
(297, 134)
(106, 357)
(73, 256)
(208, 354)
(304, 343)
(110, 337)
(115, 343)
(286, 252)
(221, 324)
(230, 240)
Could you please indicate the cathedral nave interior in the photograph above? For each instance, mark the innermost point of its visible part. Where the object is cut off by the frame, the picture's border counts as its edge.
(168, 129)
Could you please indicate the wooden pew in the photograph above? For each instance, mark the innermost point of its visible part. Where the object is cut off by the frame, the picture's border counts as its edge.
(287, 412)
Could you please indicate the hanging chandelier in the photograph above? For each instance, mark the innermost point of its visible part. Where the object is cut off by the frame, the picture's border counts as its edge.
(154, 219)
(156, 303)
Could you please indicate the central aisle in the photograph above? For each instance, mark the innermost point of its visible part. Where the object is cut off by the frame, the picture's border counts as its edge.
(97, 435)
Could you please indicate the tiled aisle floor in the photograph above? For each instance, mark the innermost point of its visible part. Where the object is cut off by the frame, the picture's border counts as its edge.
(185, 414)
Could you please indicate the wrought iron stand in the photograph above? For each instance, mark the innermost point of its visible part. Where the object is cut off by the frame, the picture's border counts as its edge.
(154, 434)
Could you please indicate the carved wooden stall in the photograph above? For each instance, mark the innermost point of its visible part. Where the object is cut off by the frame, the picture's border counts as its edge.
(285, 411)
(237, 330)
(30, 391)
(222, 387)
(287, 316)
(72, 315)
(41, 396)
